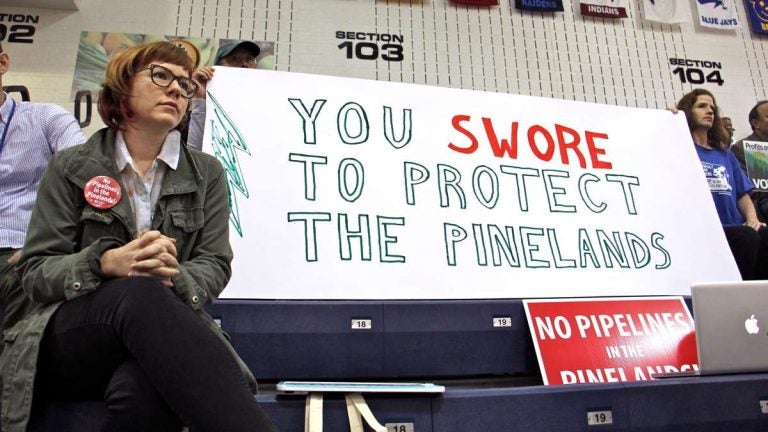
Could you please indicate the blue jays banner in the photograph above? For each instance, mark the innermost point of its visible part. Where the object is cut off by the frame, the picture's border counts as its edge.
(717, 14)
(540, 5)
(757, 11)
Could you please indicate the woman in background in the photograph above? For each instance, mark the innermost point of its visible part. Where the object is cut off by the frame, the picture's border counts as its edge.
(747, 236)
(128, 240)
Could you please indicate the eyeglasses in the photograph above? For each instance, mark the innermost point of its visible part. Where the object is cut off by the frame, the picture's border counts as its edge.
(163, 77)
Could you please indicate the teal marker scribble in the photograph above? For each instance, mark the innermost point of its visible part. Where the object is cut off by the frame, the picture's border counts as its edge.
(225, 139)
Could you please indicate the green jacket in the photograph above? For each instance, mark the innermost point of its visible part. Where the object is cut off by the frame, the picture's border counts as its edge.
(60, 259)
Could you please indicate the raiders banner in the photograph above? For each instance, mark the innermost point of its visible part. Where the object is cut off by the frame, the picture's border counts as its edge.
(604, 8)
(540, 5)
(717, 14)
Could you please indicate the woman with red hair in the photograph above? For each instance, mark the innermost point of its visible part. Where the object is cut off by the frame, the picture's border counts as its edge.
(128, 240)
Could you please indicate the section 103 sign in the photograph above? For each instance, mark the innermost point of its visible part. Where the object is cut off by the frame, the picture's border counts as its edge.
(371, 46)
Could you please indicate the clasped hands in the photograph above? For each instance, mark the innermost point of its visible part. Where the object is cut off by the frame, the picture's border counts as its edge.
(152, 255)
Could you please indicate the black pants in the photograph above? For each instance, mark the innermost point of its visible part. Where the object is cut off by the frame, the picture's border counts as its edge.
(157, 365)
(750, 249)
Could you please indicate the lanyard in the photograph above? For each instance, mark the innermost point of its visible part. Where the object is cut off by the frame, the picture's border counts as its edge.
(8, 124)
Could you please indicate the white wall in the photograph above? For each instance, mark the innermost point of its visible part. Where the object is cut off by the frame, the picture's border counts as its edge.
(560, 55)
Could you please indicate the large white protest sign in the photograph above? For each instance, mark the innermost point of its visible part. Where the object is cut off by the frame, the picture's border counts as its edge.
(354, 189)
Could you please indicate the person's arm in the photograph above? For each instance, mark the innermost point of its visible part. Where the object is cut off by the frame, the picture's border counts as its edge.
(738, 151)
(206, 273)
(61, 128)
(747, 209)
(196, 126)
(51, 267)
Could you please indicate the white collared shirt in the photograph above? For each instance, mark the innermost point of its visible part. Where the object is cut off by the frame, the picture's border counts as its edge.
(143, 191)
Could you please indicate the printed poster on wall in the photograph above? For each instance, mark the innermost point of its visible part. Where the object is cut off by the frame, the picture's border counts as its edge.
(344, 188)
(97, 48)
(756, 158)
(667, 11)
(757, 12)
(717, 14)
(606, 340)
(540, 5)
(604, 8)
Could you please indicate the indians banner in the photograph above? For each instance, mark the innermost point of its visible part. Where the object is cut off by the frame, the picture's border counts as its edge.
(604, 8)
(717, 14)
(667, 11)
(345, 188)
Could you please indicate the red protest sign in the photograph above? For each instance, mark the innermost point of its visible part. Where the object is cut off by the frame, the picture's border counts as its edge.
(611, 339)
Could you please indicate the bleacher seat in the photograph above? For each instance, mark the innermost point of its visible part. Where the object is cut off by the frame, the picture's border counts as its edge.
(507, 401)
(406, 338)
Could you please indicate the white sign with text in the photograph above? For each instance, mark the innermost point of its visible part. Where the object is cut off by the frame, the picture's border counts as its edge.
(354, 189)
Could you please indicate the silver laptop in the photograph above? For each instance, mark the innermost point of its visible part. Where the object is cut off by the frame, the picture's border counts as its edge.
(731, 320)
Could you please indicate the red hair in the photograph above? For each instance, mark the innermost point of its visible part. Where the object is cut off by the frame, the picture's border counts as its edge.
(121, 70)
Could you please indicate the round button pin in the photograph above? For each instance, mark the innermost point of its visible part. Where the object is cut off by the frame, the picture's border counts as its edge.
(102, 192)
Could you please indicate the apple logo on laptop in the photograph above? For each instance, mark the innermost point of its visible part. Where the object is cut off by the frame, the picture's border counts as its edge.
(751, 325)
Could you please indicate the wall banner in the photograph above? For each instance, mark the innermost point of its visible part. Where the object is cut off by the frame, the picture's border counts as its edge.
(667, 11)
(717, 14)
(604, 8)
(611, 339)
(757, 12)
(345, 188)
(97, 48)
(477, 2)
(540, 5)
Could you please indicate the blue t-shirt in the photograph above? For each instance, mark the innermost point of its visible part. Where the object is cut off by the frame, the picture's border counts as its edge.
(727, 182)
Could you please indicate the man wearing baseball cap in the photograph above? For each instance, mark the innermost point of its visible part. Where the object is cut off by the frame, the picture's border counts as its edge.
(232, 53)
(237, 53)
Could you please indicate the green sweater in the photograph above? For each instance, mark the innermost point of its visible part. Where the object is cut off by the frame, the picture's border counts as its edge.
(66, 238)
